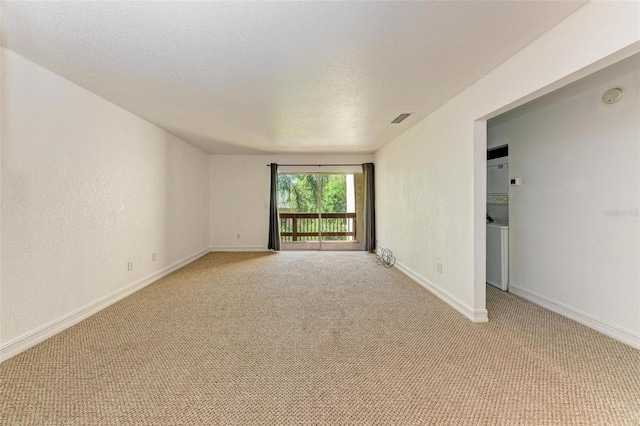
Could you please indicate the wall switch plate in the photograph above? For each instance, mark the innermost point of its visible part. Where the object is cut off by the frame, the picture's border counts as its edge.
(439, 267)
(130, 265)
(154, 256)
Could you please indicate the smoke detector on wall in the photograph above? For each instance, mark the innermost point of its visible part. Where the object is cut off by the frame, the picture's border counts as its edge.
(612, 96)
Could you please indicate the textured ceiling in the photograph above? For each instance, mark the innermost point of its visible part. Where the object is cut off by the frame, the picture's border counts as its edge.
(243, 77)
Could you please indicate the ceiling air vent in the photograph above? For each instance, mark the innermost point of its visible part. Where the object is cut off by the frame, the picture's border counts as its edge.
(400, 118)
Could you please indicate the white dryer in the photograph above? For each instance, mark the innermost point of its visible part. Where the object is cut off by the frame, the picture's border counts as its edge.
(498, 255)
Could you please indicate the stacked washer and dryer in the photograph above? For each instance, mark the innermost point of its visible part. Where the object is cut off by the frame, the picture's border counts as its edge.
(498, 218)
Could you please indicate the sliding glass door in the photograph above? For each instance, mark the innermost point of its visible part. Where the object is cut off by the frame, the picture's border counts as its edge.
(337, 212)
(298, 207)
(319, 211)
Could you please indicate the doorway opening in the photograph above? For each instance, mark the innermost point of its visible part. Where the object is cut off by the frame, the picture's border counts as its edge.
(320, 211)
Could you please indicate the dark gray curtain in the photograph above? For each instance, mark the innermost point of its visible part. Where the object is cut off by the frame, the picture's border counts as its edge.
(274, 228)
(369, 241)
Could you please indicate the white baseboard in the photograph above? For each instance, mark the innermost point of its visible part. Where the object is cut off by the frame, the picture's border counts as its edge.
(239, 248)
(32, 338)
(625, 336)
(475, 315)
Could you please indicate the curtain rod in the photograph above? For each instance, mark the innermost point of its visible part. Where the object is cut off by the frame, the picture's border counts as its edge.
(316, 165)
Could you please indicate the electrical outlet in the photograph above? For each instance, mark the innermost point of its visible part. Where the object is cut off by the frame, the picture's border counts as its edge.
(439, 267)
(238, 236)
(154, 256)
(130, 265)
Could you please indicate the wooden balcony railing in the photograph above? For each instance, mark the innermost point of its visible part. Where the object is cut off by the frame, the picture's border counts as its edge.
(305, 226)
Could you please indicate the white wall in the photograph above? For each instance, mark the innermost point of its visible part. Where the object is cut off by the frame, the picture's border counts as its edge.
(1, 139)
(86, 186)
(579, 163)
(239, 195)
(431, 180)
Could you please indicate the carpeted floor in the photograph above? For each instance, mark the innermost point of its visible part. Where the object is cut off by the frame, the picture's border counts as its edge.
(318, 338)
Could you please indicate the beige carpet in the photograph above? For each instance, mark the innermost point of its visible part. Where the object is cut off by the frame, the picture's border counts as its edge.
(318, 338)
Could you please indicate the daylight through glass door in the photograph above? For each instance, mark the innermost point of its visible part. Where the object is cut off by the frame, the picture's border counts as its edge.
(320, 211)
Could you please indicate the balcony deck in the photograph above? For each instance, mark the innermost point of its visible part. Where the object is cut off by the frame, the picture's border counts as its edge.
(326, 245)
(299, 231)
